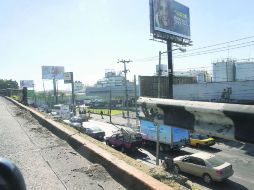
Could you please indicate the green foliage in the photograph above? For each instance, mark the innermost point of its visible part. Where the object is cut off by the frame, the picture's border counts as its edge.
(4, 84)
(17, 98)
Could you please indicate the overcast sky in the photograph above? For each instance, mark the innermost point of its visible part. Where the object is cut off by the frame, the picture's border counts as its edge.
(89, 36)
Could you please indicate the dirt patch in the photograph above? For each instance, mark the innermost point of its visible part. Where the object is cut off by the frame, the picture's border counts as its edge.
(95, 171)
(24, 115)
(39, 130)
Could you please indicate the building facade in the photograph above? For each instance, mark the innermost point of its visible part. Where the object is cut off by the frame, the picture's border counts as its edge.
(111, 83)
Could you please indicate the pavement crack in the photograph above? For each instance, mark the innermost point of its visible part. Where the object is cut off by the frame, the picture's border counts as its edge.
(100, 186)
(55, 173)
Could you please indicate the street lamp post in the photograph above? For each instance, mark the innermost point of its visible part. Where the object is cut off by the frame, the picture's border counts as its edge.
(170, 71)
(110, 104)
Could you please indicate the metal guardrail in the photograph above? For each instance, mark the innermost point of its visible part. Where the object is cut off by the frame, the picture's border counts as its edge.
(228, 121)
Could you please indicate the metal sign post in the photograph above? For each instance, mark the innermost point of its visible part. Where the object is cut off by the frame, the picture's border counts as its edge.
(68, 78)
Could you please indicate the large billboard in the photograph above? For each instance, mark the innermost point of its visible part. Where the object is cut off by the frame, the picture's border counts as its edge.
(27, 83)
(53, 72)
(170, 17)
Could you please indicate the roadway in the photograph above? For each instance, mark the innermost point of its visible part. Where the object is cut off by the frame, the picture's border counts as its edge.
(241, 155)
(46, 161)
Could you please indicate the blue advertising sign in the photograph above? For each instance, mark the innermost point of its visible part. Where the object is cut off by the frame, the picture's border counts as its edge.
(171, 17)
(53, 72)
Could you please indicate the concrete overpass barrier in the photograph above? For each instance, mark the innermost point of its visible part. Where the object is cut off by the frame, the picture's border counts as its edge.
(228, 121)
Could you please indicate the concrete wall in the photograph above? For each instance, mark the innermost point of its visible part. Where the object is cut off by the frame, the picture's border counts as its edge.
(241, 90)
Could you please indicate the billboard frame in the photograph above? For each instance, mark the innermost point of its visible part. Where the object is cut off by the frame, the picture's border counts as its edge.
(26, 83)
(50, 72)
(162, 34)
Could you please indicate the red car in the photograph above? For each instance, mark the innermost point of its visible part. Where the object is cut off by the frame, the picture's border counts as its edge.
(126, 141)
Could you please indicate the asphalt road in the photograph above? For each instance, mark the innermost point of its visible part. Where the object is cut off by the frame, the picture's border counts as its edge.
(241, 155)
(46, 161)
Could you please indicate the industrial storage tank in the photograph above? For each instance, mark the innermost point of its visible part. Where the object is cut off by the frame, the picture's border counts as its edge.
(244, 71)
(224, 71)
(203, 77)
(164, 70)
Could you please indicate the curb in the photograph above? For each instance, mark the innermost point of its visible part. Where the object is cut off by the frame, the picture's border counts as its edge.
(128, 176)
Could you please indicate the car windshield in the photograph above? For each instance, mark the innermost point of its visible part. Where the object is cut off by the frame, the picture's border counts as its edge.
(200, 136)
(96, 129)
(136, 137)
(214, 161)
(75, 119)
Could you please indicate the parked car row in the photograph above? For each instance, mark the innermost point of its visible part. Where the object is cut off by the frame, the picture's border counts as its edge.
(93, 131)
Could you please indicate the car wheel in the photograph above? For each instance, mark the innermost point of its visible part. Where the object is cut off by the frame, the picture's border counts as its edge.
(122, 149)
(207, 179)
(176, 169)
(108, 143)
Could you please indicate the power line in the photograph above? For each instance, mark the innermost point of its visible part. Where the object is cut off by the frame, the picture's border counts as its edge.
(209, 52)
(148, 59)
(205, 47)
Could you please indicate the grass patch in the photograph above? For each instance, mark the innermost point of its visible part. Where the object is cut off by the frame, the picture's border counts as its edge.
(17, 98)
(106, 111)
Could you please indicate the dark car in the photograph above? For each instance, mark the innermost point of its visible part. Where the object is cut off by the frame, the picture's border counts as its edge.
(126, 141)
(94, 132)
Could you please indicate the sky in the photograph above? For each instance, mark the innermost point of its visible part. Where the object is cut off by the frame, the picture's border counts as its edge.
(87, 37)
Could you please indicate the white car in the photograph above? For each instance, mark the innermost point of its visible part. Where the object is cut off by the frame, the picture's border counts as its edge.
(204, 165)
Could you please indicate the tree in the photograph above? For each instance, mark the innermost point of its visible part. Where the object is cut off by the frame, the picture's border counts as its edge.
(4, 84)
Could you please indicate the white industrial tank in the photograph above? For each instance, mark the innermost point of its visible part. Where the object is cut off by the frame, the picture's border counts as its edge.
(244, 71)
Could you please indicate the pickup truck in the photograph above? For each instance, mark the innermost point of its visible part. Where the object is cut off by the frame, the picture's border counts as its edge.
(126, 140)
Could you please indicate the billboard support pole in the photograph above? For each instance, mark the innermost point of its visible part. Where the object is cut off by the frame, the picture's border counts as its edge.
(35, 98)
(170, 68)
(45, 98)
(72, 91)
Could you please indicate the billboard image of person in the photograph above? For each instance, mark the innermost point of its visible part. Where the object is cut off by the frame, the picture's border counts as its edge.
(171, 17)
(53, 72)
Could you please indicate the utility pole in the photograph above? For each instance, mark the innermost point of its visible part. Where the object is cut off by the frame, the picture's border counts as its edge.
(158, 144)
(136, 107)
(126, 88)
